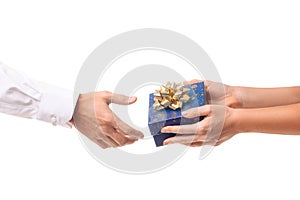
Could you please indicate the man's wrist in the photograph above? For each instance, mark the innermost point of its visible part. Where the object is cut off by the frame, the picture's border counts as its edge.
(56, 105)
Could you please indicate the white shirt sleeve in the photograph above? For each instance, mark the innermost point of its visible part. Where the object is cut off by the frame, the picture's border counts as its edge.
(24, 97)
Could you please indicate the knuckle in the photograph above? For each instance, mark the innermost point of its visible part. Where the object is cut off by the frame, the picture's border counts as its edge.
(104, 96)
(200, 128)
(99, 137)
(208, 109)
(206, 126)
(105, 93)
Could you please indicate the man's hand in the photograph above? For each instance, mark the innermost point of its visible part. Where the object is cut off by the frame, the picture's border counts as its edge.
(93, 118)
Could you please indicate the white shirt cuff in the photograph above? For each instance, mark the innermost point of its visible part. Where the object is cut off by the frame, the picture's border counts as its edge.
(56, 105)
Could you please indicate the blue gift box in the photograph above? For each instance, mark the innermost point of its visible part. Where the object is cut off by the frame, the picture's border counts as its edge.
(157, 119)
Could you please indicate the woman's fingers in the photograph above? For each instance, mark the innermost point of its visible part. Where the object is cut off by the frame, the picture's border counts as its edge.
(192, 81)
(196, 128)
(197, 111)
(183, 129)
(206, 82)
(185, 139)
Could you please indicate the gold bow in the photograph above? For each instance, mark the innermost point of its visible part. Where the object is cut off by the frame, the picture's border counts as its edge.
(171, 95)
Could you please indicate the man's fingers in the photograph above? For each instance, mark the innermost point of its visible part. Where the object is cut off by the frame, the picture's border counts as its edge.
(105, 134)
(131, 139)
(115, 136)
(119, 98)
(122, 99)
(118, 137)
(198, 111)
(128, 130)
(106, 139)
(102, 144)
(126, 139)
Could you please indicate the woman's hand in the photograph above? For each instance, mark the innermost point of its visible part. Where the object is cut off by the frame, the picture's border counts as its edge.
(217, 127)
(220, 94)
(249, 97)
(233, 110)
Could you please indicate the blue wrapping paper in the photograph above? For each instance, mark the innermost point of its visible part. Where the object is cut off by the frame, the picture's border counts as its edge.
(157, 119)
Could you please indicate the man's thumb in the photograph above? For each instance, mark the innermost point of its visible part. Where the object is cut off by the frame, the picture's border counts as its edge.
(122, 99)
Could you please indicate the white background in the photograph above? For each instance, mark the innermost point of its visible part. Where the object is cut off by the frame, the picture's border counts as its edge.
(252, 43)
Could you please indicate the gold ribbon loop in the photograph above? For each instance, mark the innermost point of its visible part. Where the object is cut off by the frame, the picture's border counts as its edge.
(171, 95)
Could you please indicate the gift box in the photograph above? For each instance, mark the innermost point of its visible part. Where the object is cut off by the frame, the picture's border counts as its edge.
(159, 117)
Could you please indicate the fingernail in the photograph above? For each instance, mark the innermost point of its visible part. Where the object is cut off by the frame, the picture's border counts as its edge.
(131, 99)
(141, 136)
(166, 143)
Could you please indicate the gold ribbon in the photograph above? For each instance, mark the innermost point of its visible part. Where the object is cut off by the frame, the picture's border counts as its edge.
(171, 95)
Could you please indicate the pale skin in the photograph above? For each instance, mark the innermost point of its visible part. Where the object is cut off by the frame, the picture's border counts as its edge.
(93, 118)
(263, 110)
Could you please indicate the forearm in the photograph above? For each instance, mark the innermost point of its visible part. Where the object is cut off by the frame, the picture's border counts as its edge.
(266, 97)
(277, 120)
